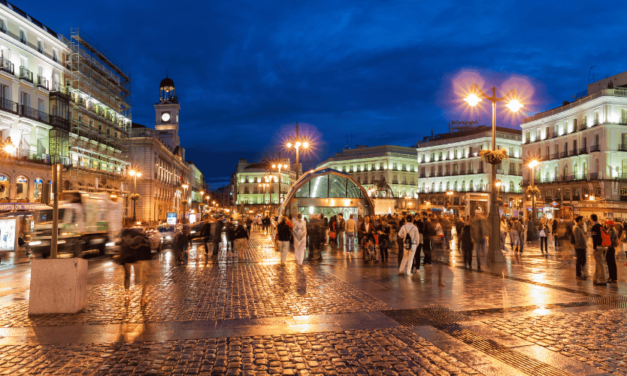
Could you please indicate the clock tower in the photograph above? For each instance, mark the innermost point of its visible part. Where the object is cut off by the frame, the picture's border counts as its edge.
(167, 114)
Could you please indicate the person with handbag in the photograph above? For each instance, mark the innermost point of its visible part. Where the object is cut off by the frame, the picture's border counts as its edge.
(610, 255)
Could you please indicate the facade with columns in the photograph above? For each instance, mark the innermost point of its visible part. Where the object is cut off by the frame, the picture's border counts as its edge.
(582, 149)
(450, 162)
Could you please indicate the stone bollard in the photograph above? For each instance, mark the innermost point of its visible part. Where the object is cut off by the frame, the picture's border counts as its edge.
(58, 286)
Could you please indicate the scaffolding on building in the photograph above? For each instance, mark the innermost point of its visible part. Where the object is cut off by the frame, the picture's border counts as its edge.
(100, 99)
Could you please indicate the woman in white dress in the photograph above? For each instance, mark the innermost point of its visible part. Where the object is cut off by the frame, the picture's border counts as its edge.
(299, 230)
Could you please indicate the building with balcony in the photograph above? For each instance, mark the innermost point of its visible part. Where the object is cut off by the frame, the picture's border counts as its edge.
(450, 162)
(582, 149)
(394, 165)
(248, 194)
(158, 155)
(34, 106)
(197, 185)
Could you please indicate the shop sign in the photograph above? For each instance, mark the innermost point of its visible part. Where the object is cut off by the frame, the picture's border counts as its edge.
(555, 204)
(171, 218)
(9, 206)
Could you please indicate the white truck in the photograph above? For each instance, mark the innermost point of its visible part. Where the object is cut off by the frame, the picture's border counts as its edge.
(86, 222)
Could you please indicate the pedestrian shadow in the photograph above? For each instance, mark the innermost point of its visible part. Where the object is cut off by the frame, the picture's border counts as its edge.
(301, 281)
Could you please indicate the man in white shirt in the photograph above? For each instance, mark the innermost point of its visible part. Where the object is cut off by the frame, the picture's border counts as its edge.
(410, 230)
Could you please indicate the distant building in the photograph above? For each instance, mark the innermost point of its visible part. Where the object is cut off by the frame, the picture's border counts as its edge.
(582, 147)
(450, 162)
(249, 195)
(375, 167)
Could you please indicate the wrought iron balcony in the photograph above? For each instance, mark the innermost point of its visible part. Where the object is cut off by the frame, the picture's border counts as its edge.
(622, 147)
(594, 148)
(43, 82)
(26, 75)
(572, 152)
(6, 66)
(34, 114)
(583, 150)
(555, 156)
(564, 154)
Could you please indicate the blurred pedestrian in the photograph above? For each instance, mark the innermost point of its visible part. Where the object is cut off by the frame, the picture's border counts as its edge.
(351, 230)
(544, 233)
(241, 237)
(300, 238)
(600, 248)
(284, 234)
(411, 237)
(341, 228)
(579, 238)
(217, 237)
(610, 256)
(467, 244)
(384, 240)
(480, 231)
(180, 245)
(136, 254)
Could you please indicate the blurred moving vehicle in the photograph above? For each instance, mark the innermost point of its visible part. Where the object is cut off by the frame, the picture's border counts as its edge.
(87, 222)
(167, 233)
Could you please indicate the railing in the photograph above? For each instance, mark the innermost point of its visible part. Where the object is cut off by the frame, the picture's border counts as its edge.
(479, 171)
(594, 175)
(9, 106)
(564, 154)
(555, 156)
(42, 82)
(622, 147)
(462, 172)
(576, 198)
(594, 148)
(545, 157)
(572, 152)
(583, 150)
(34, 114)
(447, 173)
(26, 75)
(7, 66)
(570, 178)
(455, 173)
(421, 175)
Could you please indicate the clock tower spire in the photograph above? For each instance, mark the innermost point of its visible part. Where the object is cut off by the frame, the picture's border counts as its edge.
(167, 114)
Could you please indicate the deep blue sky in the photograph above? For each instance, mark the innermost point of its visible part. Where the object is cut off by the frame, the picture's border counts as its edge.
(382, 71)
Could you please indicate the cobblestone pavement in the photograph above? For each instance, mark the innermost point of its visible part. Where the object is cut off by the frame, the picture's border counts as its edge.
(213, 292)
(598, 338)
(213, 316)
(378, 352)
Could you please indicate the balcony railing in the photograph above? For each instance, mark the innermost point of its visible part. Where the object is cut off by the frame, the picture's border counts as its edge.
(622, 147)
(479, 171)
(594, 175)
(421, 175)
(34, 114)
(26, 75)
(555, 156)
(6, 66)
(583, 150)
(564, 154)
(572, 152)
(594, 148)
(43, 82)
(569, 178)
(9, 106)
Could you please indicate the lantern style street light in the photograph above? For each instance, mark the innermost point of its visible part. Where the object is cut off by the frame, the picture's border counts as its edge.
(477, 95)
(297, 143)
(279, 166)
(135, 174)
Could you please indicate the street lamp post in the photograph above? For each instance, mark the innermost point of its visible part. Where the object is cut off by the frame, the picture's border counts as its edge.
(279, 166)
(135, 174)
(477, 95)
(297, 142)
(532, 164)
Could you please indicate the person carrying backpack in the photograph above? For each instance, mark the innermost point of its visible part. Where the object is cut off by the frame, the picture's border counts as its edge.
(411, 237)
(600, 243)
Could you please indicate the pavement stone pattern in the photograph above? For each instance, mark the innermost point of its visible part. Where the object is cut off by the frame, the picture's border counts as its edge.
(198, 292)
(261, 248)
(597, 338)
(364, 352)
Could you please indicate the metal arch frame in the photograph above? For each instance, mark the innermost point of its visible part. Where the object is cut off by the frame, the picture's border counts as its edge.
(320, 172)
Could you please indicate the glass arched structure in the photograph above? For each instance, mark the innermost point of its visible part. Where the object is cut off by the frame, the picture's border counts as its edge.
(329, 192)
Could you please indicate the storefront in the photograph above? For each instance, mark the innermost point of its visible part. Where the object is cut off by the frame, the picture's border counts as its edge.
(329, 192)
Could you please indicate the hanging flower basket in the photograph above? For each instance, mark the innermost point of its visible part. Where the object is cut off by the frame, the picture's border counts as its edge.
(533, 191)
(494, 157)
(135, 197)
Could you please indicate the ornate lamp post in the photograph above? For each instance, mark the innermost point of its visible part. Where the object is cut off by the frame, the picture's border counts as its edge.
(477, 95)
(297, 143)
(185, 203)
(279, 166)
(135, 174)
(533, 164)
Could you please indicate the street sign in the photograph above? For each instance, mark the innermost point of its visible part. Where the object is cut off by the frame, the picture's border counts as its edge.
(171, 218)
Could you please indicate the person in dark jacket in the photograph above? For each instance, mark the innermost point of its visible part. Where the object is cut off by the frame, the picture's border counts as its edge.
(180, 244)
(399, 240)
(384, 239)
(284, 234)
(136, 254)
(315, 230)
(467, 245)
(217, 237)
(241, 240)
(367, 231)
(206, 235)
(599, 252)
(229, 230)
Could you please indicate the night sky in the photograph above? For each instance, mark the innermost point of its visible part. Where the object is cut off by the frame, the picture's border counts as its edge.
(372, 72)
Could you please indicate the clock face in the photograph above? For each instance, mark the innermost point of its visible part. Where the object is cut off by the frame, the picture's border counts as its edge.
(165, 117)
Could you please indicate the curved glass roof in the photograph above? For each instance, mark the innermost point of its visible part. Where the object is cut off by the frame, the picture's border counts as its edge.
(327, 183)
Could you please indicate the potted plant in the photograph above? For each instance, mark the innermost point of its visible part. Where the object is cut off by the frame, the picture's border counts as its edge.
(494, 157)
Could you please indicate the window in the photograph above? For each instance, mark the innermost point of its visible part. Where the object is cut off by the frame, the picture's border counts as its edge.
(23, 37)
(55, 55)
(3, 25)
(23, 61)
(40, 45)
(25, 99)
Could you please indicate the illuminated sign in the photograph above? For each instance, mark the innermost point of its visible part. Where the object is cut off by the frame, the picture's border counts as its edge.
(171, 218)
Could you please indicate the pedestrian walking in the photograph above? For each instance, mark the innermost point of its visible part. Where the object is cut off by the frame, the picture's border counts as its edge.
(241, 237)
(284, 234)
(399, 241)
(580, 244)
(316, 230)
(205, 232)
(341, 228)
(446, 230)
(180, 245)
(554, 226)
(610, 256)
(351, 230)
(480, 231)
(300, 238)
(411, 237)
(467, 244)
(459, 226)
(514, 234)
(384, 240)
(503, 229)
(229, 232)
(136, 254)
(428, 231)
(217, 237)
(600, 242)
(544, 232)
